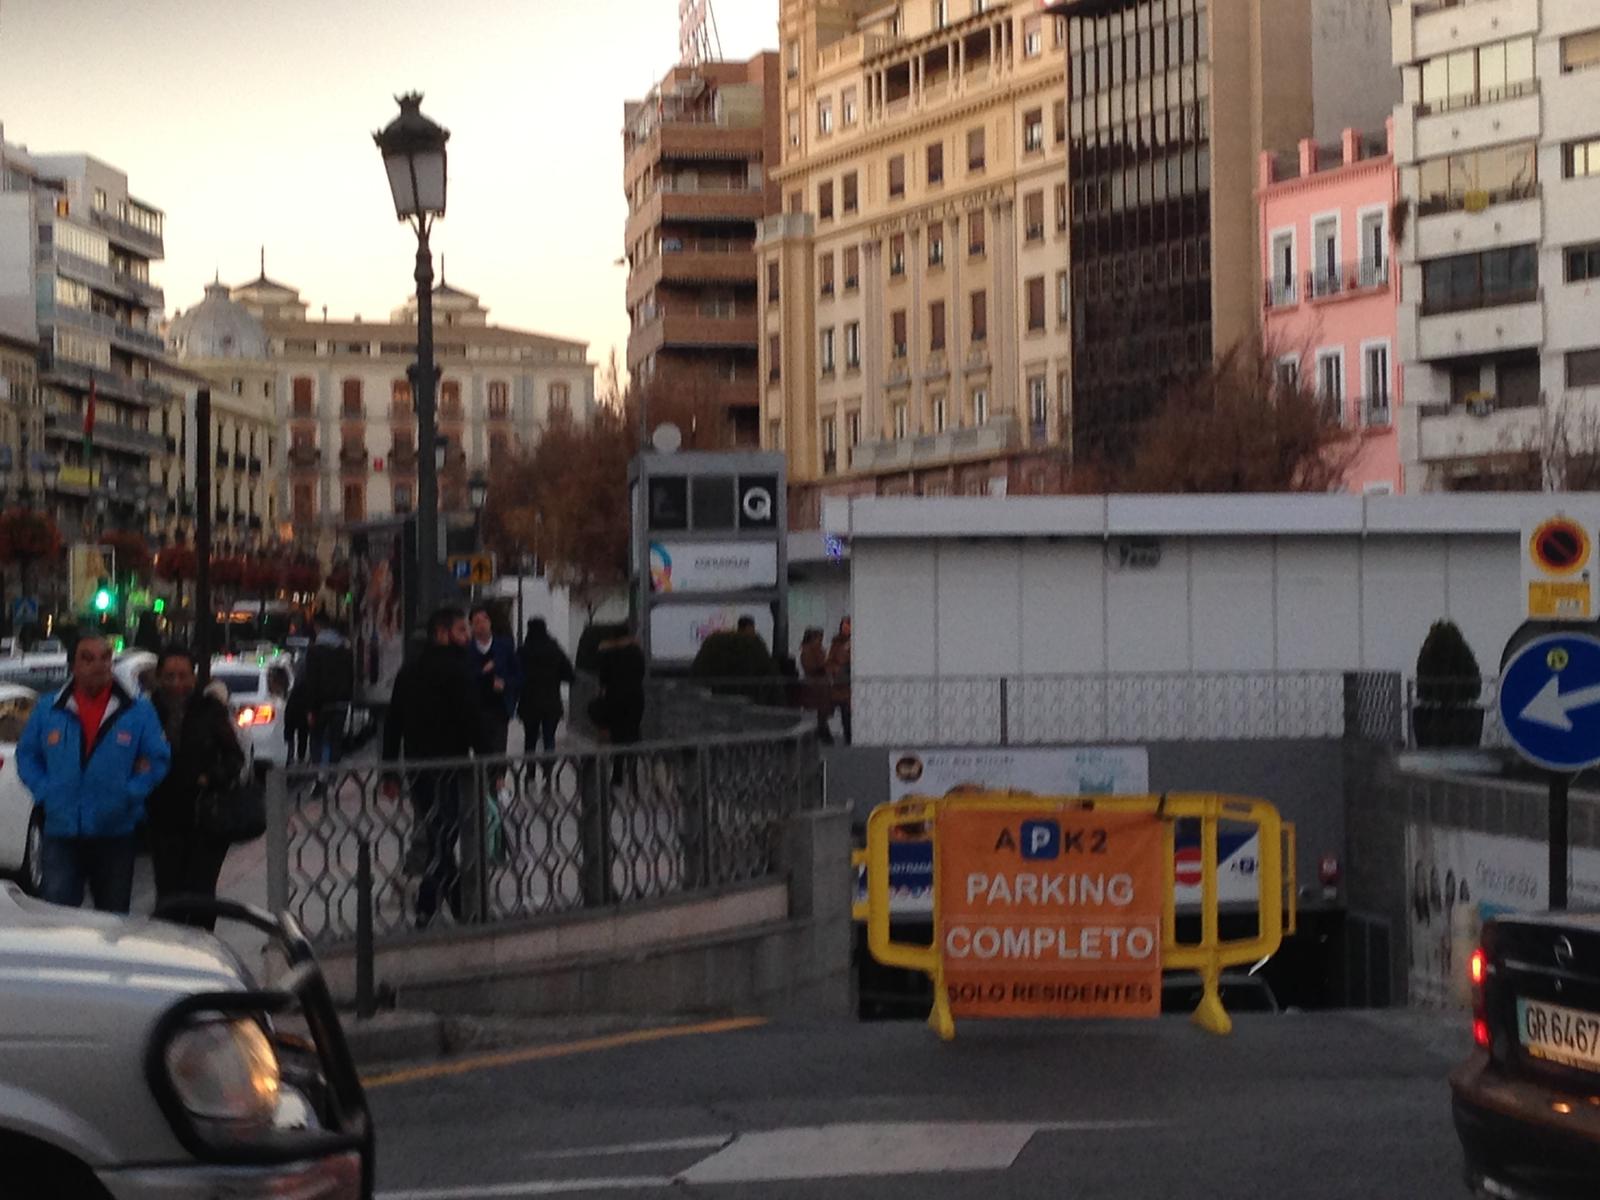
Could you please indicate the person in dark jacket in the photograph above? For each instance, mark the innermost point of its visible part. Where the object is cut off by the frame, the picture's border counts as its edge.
(818, 692)
(433, 715)
(330, 679)
(498, 672)
(206, 756)
(90, 756)
(545, 667)
(619, 709)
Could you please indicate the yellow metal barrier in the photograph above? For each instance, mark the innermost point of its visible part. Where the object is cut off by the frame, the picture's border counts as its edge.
(1209, 957)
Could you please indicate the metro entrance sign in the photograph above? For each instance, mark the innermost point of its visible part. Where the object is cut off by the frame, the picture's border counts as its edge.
(1550, 701)
(1550, 707)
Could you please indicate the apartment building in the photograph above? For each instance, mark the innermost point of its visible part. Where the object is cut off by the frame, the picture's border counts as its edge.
(226, 346)
(1331, 304)
(345, 418)
(75, 256)
(1171, 104)
(914, 327)
(1498, 142)
(697, 152)
(21, 421)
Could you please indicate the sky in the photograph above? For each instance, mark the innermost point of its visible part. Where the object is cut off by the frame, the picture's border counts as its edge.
(249, 123)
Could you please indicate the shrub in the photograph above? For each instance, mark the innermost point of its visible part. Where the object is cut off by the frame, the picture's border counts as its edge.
(1447, 671)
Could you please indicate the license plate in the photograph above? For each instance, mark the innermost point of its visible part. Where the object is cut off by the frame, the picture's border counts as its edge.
(1559, 1035)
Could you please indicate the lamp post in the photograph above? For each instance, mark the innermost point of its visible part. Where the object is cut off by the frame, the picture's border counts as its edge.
(413, 150)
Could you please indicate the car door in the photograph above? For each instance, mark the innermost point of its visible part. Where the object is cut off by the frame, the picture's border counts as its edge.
(16, 803)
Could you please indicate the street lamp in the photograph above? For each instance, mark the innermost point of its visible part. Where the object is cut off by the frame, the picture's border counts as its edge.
(478, 491)
(413, 150)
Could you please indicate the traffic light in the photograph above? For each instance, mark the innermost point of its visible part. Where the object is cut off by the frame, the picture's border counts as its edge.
(160, 606)
(104, 598)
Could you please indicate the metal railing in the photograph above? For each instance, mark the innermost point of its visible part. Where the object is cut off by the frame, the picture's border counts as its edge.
(1477, 698)
(486, 840)
(1022, 710)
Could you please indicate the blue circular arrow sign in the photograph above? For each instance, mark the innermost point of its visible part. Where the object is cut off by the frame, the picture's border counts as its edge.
(1550, 701)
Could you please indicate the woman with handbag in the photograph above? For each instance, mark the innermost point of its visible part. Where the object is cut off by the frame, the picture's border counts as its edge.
(187, 840)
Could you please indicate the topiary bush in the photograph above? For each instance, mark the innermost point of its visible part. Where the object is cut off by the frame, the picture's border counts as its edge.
(1449, 682)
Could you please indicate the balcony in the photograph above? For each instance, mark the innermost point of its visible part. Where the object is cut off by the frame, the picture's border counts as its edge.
(1441, 26)
(403, 458)
(305, 456)
(1445, 432)
(1448, 226)
(1000, 435)
(138, 341)
(352, 456)
(1280, 293)
(1377, 412)
(106, 383)
(691, 140)
(239, 461)
(98, 275)
(1509, 117)
(697, 206)
(254, 465)
(128, 234)
(1349, 279)
(1515, 324)
(108, 435)
(303, 411)
(707, 328)
(684, 263)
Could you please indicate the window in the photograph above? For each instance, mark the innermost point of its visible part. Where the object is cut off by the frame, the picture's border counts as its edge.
(304, 397)
(827, 351)
(1061, 207)
(1517, 382)
(1583, 369)
(99, 199)
(975, 149)
(825, 115)
(1281, 290)
(772, 282)
(825, 201)
(897, 333)
(1483, 75)
(852, 346)
(1580, 159)
(1033, 131)
(941, 13)
(1483, 280)
(402, 498)
(851, 197)
(1035, 288)
(774, 358)
(1063, 297)
(793, 66)
(980, 406)
(794, 129)
(797, 203)
(935, 245)
(975, 233)
(852, 268)
(852, 429)
(1058, 122)
(560, 396)
(936, 325)
(830, 446)
(1330, 382)
(825, 273)
(897, 176)
(1477, 179)
(1583, 262)
(847, 103)
(897, 254)
(1033, 37)
(937, 414)
(1033, 216)
(1374, 266)
(935, 155)
(1580, 51)
(1325, 277)
(1375, 383)
(305, 503)
(902, 421)
(355, 502)
(1288, 373)
(980, 316)
(499, 400)
(351, 392)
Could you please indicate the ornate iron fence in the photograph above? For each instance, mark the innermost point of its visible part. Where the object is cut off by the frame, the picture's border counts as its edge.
(1192, 706)
(411, 845)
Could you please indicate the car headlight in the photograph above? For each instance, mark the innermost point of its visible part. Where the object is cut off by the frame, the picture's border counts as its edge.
(225, 1070)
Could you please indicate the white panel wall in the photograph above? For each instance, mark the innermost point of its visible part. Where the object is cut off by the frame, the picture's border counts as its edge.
(1485, 580)
(1063, 608)
(1403, 595)
(1319, 604)
(895, 602)
(1147, 613)
(980, 608)
(1232, 604)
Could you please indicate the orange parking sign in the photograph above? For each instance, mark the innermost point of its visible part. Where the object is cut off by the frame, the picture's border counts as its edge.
(1051, 913)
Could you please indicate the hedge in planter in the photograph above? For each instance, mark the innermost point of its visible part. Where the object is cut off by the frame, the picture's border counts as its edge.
(1449, 682)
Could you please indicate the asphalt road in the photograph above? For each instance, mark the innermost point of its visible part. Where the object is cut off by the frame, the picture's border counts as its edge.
(1309, 1107)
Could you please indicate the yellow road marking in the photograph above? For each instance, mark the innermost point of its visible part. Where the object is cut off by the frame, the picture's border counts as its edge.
(511, 1058)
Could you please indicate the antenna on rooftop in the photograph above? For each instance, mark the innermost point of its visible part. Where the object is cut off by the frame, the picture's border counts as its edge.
(698, 40)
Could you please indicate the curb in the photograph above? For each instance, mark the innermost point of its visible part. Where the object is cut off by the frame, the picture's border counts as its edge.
(399, 1037)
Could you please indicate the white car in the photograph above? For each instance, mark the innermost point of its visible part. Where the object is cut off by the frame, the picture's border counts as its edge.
(21, 830)
(257, 710)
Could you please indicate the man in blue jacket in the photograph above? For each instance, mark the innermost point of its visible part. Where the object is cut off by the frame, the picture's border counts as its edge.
(498, 673)
(90, 756)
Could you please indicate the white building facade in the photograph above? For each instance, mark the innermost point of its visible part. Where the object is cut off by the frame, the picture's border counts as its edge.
(1498, 146)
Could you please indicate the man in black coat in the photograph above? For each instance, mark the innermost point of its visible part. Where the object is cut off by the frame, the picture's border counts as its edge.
(206, 756)
(545, 667)
(433, 715)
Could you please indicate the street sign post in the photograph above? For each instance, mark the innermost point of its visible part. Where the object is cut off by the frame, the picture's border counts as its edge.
(1550, 707)
(1559, 579)
(472, 570)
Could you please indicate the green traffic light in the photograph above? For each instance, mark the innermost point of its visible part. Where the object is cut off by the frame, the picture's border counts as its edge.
(159, 607)
(102, 600)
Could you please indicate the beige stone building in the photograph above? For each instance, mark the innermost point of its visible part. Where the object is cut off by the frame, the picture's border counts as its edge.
(915, 333)
(21, 418)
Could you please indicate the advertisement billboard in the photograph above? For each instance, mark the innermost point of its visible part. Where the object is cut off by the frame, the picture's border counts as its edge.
(677, 630)
(699, 567)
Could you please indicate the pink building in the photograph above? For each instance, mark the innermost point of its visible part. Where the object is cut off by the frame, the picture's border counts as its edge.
(1332, 298)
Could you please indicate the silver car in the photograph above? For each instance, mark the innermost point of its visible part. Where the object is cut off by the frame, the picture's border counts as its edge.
(139, 1061)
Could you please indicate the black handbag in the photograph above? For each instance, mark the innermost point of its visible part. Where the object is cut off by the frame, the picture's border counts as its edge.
(236, 814)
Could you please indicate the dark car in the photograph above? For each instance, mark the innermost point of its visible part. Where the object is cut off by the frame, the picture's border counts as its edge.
(1527, 1103)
